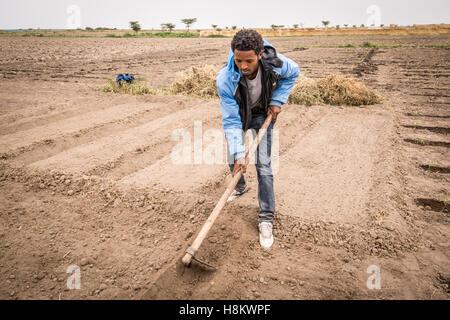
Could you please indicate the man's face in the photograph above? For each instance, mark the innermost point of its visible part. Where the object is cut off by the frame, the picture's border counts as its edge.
(247, 62)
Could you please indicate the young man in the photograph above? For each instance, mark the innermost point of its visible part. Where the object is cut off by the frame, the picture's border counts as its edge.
(255, 82)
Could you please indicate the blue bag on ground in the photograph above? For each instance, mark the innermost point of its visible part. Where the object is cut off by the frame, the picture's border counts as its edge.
(126, 77)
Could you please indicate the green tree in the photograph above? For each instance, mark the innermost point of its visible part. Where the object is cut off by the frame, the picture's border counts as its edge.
(135, 26)
(295, 26)
(188, 22)
(214, 26)
(233, 27)
(325, 23)
(168, 26)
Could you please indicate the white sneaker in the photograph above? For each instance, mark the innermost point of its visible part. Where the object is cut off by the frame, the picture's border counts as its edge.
(265, 234)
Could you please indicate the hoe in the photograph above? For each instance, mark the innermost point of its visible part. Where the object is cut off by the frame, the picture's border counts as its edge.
(190, 252)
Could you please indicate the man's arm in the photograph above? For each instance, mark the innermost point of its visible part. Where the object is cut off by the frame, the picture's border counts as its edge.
(231, 120)
(289, 73)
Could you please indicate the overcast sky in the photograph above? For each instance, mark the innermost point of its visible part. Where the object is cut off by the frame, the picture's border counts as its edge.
(61, 14)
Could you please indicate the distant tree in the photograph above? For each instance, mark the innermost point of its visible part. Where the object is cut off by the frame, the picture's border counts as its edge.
(233, 27)
(188, 22)
(214, 26)
(168, 26)
(382, 25)
(295, 26)
(346, 25)
(219, 29)
(338, 26)
(135, 26)
(362, 25)
(325, 23)
(354, 26)
(274, 26)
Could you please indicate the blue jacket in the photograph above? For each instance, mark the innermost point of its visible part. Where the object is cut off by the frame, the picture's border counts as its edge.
(235, 117)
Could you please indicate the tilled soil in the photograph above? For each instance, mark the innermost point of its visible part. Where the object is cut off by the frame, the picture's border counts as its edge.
(87, 177)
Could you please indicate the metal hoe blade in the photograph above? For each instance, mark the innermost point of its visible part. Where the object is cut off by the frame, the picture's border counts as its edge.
(192, 252)
(204, 263)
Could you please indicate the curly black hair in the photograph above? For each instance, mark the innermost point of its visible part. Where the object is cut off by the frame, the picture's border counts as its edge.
(247, 39)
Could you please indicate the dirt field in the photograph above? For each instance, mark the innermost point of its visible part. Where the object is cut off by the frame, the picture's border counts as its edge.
(86, 177)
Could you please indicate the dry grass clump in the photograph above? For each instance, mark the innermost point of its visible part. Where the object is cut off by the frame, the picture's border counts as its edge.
(134, 87)
(305, 92)
(200, 82)
(339, 90)
(333, 90)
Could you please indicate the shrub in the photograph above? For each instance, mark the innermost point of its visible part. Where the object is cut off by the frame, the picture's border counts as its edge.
(134, 88)
(368, 45)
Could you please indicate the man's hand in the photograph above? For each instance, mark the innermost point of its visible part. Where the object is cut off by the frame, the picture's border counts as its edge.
(274, 110)
(239, 163)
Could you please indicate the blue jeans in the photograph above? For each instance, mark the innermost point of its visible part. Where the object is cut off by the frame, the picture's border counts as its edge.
(266, 196)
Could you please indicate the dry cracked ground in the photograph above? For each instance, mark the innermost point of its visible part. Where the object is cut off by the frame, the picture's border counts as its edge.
(87, 178)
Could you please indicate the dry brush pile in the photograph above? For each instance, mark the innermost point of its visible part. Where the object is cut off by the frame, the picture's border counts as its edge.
(200, 82)
(335, 89)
